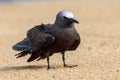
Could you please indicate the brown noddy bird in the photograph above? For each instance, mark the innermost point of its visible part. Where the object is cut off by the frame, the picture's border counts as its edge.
(44, 40)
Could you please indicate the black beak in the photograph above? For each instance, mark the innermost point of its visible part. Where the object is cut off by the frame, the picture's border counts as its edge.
(73, 20)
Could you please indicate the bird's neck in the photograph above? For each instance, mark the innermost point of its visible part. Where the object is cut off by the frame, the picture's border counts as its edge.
(63, 24)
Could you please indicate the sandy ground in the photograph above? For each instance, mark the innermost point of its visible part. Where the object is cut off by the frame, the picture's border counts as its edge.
(98, 56)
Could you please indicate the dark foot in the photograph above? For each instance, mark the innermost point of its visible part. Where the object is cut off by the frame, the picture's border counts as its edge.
(48, 68)
(70, 66)
(65, 65)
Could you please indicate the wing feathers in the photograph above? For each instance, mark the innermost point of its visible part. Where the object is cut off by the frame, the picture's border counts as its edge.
(23, 45)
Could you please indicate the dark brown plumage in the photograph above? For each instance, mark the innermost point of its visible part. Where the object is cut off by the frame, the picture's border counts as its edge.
(45, 40)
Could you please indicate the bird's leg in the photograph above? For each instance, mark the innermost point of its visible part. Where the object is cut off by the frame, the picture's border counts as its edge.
(63, 58)
(48, 61)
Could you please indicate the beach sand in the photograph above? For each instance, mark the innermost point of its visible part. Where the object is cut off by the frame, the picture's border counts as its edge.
(97, 57)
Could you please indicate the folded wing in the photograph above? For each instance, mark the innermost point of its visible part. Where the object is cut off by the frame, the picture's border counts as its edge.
(39, 37)
(23, 45)
(76, 43)
(37, 40)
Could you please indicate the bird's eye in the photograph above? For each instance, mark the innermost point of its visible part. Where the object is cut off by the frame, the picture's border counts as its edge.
(65, 17)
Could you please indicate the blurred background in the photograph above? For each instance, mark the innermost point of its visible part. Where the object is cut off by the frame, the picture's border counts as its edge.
(98, 56)
(26, 0)
(99, 17)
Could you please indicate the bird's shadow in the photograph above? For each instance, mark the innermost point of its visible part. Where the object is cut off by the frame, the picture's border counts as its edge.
(35, 67)
(22, 67)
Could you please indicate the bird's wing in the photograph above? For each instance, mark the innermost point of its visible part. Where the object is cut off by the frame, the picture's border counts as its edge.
(75, 43)
(24, 45)
(39, 37)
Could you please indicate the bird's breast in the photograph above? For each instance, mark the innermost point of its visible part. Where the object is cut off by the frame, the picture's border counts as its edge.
(64, 39)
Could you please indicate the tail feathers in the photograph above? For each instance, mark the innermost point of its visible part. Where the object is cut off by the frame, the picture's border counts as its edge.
(43, 55)
(38, 55)
(22, 54)
(24, 45)
(33, 57)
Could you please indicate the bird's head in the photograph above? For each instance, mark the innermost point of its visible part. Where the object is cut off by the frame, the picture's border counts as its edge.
(66, 17)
